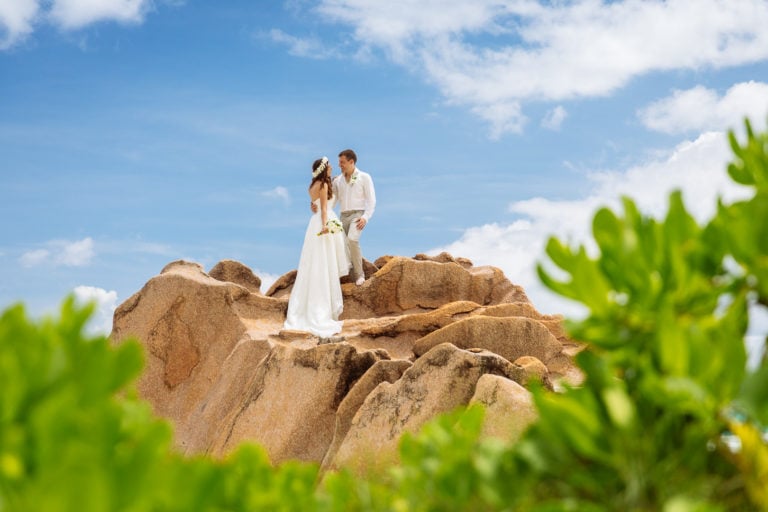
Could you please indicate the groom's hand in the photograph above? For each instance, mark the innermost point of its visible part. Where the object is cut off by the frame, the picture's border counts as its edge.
(361, 222)
(313, 206)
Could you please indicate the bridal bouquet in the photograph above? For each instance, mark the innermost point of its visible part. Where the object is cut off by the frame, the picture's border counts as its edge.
(334, 226)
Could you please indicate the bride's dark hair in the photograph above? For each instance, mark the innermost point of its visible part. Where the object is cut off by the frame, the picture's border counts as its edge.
(324, 176)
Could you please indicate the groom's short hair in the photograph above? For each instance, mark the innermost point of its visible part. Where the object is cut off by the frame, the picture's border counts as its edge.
(349, 155)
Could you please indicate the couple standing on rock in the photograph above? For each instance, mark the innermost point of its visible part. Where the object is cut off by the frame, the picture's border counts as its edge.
(331, 246)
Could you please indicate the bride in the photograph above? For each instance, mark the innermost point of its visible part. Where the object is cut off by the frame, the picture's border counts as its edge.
(316, 301)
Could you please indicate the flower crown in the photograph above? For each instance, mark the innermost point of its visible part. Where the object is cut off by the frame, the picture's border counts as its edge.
(321, 167)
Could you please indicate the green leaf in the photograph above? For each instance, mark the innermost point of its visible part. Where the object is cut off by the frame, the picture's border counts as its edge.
(753, 396)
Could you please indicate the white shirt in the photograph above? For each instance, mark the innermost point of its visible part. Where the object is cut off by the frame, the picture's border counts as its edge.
(358, 194)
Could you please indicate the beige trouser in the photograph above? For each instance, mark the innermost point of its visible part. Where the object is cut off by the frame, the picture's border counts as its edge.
(349, 221)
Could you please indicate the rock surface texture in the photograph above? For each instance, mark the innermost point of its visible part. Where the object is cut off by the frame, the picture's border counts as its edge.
(421, 336)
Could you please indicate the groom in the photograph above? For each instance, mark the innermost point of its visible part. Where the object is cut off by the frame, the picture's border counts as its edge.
(354, 190)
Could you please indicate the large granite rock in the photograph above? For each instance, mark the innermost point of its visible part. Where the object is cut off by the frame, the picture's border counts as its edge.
(189, 324)
(290, 404)
(405, 285)
(509, 407)
(422, 336)
(510, 337)
(225, 395)
(382, 371)
(438, 382)
(235, 272)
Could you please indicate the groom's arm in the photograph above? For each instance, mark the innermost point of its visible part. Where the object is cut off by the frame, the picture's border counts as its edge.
(370, 201)
(370, 198)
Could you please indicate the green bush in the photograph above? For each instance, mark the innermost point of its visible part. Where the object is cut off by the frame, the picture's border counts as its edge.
(667, 419)
(74, 437)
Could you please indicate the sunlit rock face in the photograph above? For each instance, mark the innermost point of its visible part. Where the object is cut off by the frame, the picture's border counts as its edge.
(421, 336)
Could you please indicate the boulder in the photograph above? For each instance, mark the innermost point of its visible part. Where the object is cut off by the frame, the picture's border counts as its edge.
(397, 334)
(382, 260)
(220, 404)
(283, 285)
(382, 371)
(438, 382)
(510, 338)
(509, 407)
(188, 325)
(235, 272)
(421, 336)
(534, 370)
(444, 257)
(290, 404)
(405, 285)
(525, 309)
(421, 323)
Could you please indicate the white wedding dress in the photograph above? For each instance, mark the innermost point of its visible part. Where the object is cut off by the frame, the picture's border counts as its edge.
(316, 301)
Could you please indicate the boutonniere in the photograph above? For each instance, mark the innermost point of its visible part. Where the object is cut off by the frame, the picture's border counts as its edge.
(334, 226)
(354, 178)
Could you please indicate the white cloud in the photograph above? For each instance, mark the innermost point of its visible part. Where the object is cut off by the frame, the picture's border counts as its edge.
(278, 193)
(311, 47)
(695, 167)
(700, 109)
(554, 118)
(504, 118)
(34, 257)
(396, 24)
(74, 14)
(16, 19)
(61, 253)
(490, 54)
(76, 254)
(106, 303)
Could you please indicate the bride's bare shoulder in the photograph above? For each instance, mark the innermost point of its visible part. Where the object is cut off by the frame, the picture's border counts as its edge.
(317, 189)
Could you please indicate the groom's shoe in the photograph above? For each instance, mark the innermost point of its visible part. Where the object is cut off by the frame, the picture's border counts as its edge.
(360, 281)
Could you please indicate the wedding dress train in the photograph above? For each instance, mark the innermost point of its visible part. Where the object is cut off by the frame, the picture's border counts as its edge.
(316, 301)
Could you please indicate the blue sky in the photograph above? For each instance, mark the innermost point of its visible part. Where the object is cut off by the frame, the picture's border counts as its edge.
(134, 132)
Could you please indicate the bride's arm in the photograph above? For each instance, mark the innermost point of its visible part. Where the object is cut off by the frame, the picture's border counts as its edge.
(324, 206)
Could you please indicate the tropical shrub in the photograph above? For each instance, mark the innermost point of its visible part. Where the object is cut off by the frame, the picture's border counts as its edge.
(73, 435)
(668, 418)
